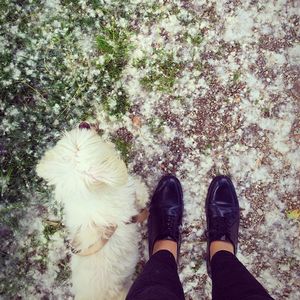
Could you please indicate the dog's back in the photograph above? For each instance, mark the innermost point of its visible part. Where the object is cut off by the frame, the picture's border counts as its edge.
(98, 198)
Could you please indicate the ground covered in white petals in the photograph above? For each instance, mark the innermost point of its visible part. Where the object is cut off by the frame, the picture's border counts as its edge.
(193, 88)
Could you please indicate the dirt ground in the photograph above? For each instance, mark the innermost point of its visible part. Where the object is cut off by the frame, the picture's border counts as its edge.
(212, 88)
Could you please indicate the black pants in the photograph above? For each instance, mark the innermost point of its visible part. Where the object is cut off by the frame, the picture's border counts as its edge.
(230, 280)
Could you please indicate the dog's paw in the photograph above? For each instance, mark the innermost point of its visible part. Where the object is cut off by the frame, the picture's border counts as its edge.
(141, 193)
(90, 239)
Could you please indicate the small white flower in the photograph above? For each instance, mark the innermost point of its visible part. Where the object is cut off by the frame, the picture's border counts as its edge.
(56, 108)
(101, 60)
(56, 24)
(123, 22)
(14, 29)
(29, 72)
(16, 74)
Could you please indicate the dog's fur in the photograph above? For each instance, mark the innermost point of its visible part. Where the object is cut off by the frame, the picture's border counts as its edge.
(99, 200)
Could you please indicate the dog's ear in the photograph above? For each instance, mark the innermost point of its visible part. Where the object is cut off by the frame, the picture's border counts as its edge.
(50, 167)
(111, 171)
(91, 239)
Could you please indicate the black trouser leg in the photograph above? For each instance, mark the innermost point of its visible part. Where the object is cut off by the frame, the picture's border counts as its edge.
(158, 281)
(232, 281)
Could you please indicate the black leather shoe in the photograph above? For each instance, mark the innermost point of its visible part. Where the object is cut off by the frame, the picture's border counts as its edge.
(222, 214)
(166, 209)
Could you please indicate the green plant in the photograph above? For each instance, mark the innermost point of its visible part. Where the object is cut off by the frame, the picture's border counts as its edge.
(156, 125)
(197, 266)
(195, 40)
(162, 73)
(114, 45)
(123, 147)
(236, 76)
(50, 228)
(117, 104)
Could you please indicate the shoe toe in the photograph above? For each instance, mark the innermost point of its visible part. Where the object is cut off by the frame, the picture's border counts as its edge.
(168, 192)
(223, 193)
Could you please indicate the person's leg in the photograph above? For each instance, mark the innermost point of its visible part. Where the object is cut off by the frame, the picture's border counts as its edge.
(231, 280)
(159, 280)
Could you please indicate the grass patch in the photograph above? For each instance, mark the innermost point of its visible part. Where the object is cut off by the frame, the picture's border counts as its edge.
(55, 65)
(195, 40)
(123, 147)
(113, 44)
(117, 104)
(50, 228)
(11, 214)
(156, 125)
(162, 73)
(197, 266)
(207, 149)
(236, 76)
(64, 271)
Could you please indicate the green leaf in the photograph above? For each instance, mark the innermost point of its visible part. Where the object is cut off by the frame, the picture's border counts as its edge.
(104, 46)
(293, 214)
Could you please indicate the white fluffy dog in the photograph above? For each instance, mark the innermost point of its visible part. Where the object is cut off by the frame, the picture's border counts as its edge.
(99, 200)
